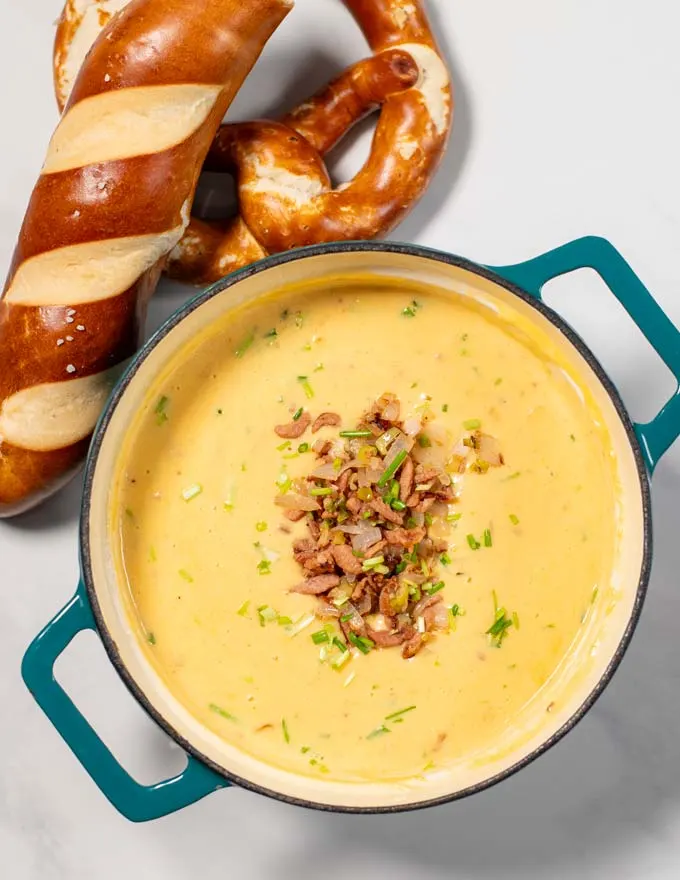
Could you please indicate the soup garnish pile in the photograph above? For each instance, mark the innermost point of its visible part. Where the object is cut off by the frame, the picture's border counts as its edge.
(376, 508)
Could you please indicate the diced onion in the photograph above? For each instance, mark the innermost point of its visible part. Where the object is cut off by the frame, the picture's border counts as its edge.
(412, 427)
(296, 502)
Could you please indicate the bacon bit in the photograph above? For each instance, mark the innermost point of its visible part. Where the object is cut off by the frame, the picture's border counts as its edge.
(329, 419)
(295, 429)
(405, 537)
(316, 586)
(345, 559)
(385, 512)
(294, 515)
(385, 639)
(412, 646)
(406, 480)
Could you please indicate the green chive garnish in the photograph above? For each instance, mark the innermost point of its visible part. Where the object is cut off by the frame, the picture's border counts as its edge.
(379, 731)
(283, 620)
(264, 566)
(472, 424)
(514, 519)
(183, 573)
(151, 638)
(435, 588)
(424, 441)
(453, 517)
(245, 344)
(445, 559)
(271, 334)
(159, 410)
(243, 610)
(399, 713)
(352, 434)
(218, 710)
(473, 543)
(306, 387)
(320, 491)
(303, 447)
(283, 446)
(296, 415)
(266, 614)
(261, 526)
(488, 541)
(390, 471)
(320, 637)
(284, 729)
(364, 644)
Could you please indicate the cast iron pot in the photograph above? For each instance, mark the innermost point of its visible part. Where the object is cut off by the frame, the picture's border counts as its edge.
(96, 605)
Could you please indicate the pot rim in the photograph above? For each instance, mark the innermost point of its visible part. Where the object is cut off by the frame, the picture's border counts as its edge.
(411, 250)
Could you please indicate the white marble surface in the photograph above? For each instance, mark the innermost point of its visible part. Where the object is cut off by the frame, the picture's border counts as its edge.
(566, 124)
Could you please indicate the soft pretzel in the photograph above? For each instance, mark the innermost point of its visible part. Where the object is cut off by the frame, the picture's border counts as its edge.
(285, 194)
(112, 200)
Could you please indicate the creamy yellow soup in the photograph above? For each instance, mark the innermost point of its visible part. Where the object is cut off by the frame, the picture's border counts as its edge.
(201, 547)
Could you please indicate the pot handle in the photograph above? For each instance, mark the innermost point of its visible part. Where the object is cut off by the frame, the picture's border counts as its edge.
(599, 254)
(136, 802)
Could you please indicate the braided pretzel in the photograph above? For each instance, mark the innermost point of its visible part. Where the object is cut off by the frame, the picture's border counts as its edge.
(112, 200)
(285, 194)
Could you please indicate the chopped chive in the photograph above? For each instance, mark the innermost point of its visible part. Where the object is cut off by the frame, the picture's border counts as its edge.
(183, 573)
(284, 730)
(347, 617)
(296, 415)
(453, 517)
(151, 638)
(303, 447)
(320, 637)
(445, 407)
(472, 424)
(342, 658)
(192, 491)
(261, 526)
(152, 554)
(245, 344)
(340, 644)
(424, 441)
(445, 559)
(428, 519)
(595, 594)
(410, 310)
(488, 541)
(283, 620)
(515, 619)
(514, 519)
(358, 434)
(305, 749)
(283, 446)
(398, 505)
(513, 476)
(306, 387)
(498, 381)
(473, 543)
(435, 588)
(399, 713)
(320, 491)
(318, 367)
(379, 731)
(572, 437)
(456, 611)
(264, 566)
(300, 624)
(271, 334)
(159, 410)
(243, 610)
(266, 614)
(218, 710)
(390, 471)
(363, 643)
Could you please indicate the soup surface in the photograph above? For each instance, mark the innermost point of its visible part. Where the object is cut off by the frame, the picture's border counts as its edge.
(209, 567)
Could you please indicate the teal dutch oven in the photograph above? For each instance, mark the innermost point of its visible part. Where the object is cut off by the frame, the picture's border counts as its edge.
(96, 605)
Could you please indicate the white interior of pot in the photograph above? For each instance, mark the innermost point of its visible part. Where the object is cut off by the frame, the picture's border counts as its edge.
(580, 672)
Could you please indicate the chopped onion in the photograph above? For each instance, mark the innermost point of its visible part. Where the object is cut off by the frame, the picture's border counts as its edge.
(391, 411)
(350, 529)
(401, 444)
(412, 426)
(378, 622)
(439, 509)
(330, 472)
(371, 535)
(437, 617)
(488, 449)
(426, 602)
(296, 502)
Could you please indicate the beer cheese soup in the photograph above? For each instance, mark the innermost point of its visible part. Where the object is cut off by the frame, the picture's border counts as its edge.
(362, 530)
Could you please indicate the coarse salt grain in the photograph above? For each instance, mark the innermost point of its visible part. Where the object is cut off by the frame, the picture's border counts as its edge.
(60, 341)
(80, 327)
(70, 368)
(69, 339)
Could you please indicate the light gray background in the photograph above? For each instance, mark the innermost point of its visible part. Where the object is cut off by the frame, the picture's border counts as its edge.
(566, 124)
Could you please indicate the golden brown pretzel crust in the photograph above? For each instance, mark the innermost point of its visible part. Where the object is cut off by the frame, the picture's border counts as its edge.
(87, 220)
(285, 195)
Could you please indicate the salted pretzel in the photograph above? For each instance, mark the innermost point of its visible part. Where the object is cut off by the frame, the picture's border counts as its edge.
(286, 198)
(113, 198)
